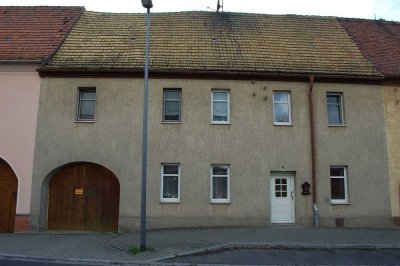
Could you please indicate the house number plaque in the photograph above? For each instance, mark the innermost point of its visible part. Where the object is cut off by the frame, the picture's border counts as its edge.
(78, 191)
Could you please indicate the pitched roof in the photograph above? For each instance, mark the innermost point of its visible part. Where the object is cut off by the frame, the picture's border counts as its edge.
(379, 41)
(211, 42)
(34, 33)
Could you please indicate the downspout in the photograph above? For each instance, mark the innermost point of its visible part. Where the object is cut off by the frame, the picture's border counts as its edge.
(312, 138)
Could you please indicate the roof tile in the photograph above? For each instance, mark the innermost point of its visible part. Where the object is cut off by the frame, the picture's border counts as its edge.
(34, 33)
(209, 41)
(379, 41)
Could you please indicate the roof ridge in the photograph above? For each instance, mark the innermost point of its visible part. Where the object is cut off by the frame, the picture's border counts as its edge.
(369, 20)
(44, 6)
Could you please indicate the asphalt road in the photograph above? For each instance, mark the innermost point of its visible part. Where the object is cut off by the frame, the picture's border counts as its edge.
(295, 257)
(261, 257)
(16, 262)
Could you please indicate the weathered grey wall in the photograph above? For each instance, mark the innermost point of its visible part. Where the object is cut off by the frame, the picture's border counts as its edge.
(391, 94)
(361, 146)
(251, 144)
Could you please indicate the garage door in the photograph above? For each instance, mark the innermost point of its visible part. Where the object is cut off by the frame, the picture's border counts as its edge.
(84, 197)
(8, 197)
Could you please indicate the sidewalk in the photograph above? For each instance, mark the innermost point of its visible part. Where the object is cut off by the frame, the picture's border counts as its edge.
(110, 248)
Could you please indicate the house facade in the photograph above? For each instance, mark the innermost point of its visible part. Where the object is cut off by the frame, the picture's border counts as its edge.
(29, 35)
(253, 120)
(379, 41)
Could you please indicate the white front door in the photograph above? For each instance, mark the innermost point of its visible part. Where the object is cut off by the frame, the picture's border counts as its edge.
(282, 198)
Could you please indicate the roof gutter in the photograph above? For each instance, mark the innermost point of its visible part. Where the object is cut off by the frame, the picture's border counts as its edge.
(130, 73)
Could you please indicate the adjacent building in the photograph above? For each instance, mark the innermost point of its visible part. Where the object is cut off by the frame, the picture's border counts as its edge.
(379, 41)
(253, 119)
(28, 37)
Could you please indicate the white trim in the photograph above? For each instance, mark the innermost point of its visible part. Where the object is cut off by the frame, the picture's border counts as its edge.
(289, 103)
(170, 200)
(228, 176)
(346, 199)
(228, 99)
(341, 102)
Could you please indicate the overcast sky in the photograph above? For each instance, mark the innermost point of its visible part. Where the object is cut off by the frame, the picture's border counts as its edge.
(371, 9)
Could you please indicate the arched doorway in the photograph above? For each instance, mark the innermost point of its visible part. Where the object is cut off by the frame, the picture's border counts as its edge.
(83, 197)
(8, 197)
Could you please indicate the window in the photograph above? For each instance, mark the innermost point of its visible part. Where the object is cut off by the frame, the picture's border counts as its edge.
(86, 104)
(170, 182)
(172, 105)
(339, 185)
(335, 109)
(282, 108)
(220, 107)
(220, 184)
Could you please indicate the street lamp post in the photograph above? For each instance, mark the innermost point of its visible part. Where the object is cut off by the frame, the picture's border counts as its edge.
(146, 4)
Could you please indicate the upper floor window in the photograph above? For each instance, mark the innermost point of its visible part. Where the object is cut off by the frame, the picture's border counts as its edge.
(338, 184)
(220, 184)
(335, 108)
(172, 105)
(170, 182)
(220, 107)
(282, 112)
(86, 104)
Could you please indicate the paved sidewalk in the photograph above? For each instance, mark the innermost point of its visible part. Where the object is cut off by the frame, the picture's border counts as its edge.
(106, 248)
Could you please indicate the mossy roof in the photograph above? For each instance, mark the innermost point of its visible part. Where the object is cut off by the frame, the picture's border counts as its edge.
(211, 42)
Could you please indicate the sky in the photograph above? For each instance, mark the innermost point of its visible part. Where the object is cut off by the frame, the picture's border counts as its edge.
(370, 9)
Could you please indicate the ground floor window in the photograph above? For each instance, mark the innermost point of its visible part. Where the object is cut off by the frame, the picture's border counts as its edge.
(170, 182)
(220, 184)
(338, 176)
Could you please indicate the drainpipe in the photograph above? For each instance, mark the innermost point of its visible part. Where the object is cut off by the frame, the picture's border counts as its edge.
(313, 163)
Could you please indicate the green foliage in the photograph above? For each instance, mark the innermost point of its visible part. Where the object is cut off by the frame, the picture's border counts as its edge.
(135, 250)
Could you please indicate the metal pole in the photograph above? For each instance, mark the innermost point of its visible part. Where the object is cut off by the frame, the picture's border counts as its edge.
(144, 138)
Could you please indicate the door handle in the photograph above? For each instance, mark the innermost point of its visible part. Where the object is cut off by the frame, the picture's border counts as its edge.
(291, 195)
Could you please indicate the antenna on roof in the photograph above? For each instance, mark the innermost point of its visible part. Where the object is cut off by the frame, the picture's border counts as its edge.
(220, 6)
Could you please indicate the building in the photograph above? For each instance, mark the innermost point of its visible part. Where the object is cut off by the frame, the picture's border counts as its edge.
(28, 37)
(246, 112)
(379, 41)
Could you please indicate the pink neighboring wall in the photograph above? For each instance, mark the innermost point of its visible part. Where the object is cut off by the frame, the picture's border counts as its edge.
(19, 98)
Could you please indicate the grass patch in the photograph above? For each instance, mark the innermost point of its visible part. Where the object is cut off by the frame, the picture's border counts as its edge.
(135, 249)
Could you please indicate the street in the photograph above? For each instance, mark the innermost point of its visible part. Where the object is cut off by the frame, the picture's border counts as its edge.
(23, 262)
(295, 257)
(255, 257)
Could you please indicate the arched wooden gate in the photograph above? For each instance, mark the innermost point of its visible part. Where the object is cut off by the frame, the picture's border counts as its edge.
(8, 197)
(84, 197)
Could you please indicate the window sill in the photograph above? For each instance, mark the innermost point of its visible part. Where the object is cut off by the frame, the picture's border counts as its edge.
(337, 125)
(216, 123)
(340, 203)
(84, 121)
(287, 125)
(168, 201)
(220, 202)
(171, 122)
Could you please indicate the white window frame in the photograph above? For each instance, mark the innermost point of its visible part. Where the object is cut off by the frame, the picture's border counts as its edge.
(228, 194)
(79, 104)
(340, 94)
(180, 105)
(289, 105)
(170, 200)
(228, 99)
(345, 180)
